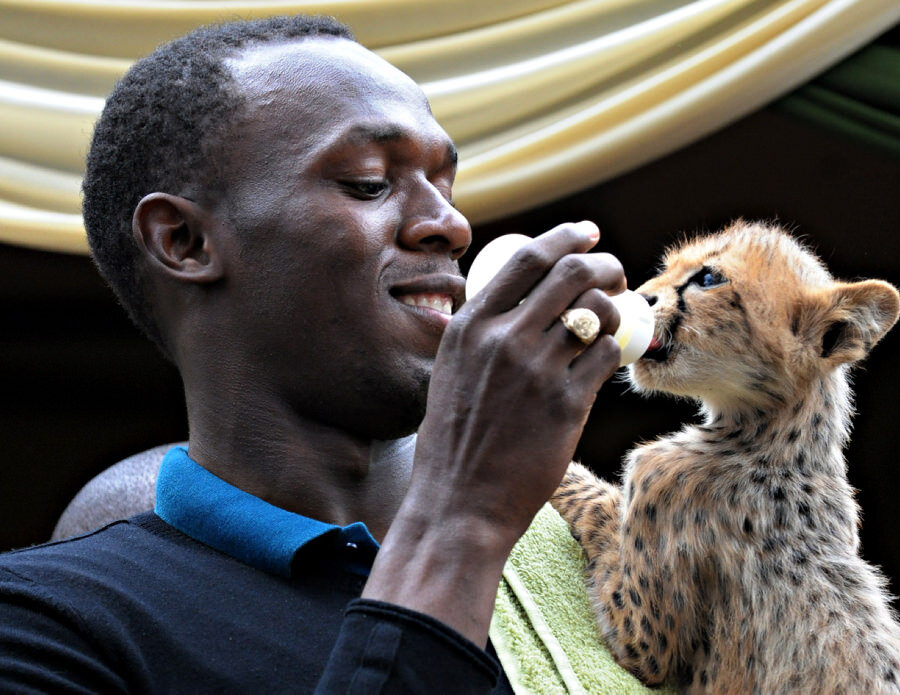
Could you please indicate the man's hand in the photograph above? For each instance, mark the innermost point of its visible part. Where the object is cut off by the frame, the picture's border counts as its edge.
(509, 396)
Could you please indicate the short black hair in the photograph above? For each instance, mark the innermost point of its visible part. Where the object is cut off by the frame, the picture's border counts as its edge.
(158, 132)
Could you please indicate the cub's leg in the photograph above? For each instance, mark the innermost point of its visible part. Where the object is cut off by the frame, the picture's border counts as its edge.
(593, 510)
(639, 620)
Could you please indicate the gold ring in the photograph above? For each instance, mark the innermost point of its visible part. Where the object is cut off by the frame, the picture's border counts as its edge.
(584, 324)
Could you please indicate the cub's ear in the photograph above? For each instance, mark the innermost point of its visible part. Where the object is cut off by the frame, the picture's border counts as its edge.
(846, 320)
(178, 238)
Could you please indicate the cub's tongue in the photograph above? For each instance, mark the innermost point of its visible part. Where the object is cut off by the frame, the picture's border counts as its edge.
(654, 344)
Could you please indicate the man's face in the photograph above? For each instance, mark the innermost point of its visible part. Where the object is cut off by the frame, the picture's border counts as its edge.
(339, 188)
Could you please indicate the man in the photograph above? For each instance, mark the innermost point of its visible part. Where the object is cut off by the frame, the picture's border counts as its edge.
(272, 203)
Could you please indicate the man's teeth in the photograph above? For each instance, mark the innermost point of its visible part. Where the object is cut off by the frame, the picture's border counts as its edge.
(438, 302)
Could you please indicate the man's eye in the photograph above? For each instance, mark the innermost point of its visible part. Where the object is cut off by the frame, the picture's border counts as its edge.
(367, 189)
(708, 278)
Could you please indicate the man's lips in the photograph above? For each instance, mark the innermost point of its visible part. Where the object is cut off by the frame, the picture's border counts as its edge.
(440, 293)
(430, 300)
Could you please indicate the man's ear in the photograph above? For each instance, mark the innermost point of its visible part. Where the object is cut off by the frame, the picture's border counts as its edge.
(845, 320)
(178, 237)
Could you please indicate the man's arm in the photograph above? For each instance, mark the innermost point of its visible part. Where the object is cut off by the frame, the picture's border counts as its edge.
(385, 648)
(510, 394)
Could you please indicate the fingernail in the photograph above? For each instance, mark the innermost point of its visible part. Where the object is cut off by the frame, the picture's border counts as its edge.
(590, 229)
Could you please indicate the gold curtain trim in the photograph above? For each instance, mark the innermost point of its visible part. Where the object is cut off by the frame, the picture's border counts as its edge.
(543, 97)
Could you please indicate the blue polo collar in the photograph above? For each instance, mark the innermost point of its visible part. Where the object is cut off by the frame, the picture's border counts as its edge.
(214, 512)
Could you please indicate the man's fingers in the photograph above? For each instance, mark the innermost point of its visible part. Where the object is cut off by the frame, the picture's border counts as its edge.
(598, 302)
(531, 263)
(578, 280)
(596, 363)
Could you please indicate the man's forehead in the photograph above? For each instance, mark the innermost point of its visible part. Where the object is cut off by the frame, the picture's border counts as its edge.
(325, 64)
(328, 92)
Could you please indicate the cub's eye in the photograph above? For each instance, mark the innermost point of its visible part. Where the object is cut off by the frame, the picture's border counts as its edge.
(707, 278)
(366, 188)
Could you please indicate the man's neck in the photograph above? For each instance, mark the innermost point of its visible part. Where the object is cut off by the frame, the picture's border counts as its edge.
(304, 466)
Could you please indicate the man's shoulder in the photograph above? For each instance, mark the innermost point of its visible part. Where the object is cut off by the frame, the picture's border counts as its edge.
(115, 550)
(135, 575)
(165, 613)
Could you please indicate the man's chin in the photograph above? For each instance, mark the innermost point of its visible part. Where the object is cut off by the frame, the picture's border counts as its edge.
(391, 413)
(371, 400)
(396, 423)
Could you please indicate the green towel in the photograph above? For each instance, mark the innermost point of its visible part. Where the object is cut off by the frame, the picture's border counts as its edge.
(543, 628)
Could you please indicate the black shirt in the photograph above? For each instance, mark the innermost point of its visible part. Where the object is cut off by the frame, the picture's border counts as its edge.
(141, 607)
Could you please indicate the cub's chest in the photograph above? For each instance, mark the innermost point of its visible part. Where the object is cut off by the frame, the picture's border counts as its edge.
(670, 463)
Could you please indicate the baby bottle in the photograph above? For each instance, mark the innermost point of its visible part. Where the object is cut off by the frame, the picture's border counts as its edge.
(636, 317)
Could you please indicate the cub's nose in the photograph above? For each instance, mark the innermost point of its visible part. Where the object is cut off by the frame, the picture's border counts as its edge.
(651, 298)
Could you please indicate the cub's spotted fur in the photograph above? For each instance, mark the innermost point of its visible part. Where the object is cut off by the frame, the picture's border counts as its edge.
(727, 561)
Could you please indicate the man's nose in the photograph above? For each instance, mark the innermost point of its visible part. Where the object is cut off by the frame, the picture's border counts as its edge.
(434, 224)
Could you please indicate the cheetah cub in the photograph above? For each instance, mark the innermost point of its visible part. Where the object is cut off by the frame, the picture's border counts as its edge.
(727, 561)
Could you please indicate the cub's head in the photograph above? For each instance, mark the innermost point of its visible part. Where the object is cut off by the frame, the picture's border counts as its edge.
(748, 317)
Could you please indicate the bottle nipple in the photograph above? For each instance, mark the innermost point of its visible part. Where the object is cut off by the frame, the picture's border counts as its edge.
(636, 317)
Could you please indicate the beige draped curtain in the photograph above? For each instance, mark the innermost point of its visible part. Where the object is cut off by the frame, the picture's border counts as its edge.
(543, 97)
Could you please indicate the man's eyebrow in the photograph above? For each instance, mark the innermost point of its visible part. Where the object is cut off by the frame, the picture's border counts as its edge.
(364, 134)
(380, 134)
